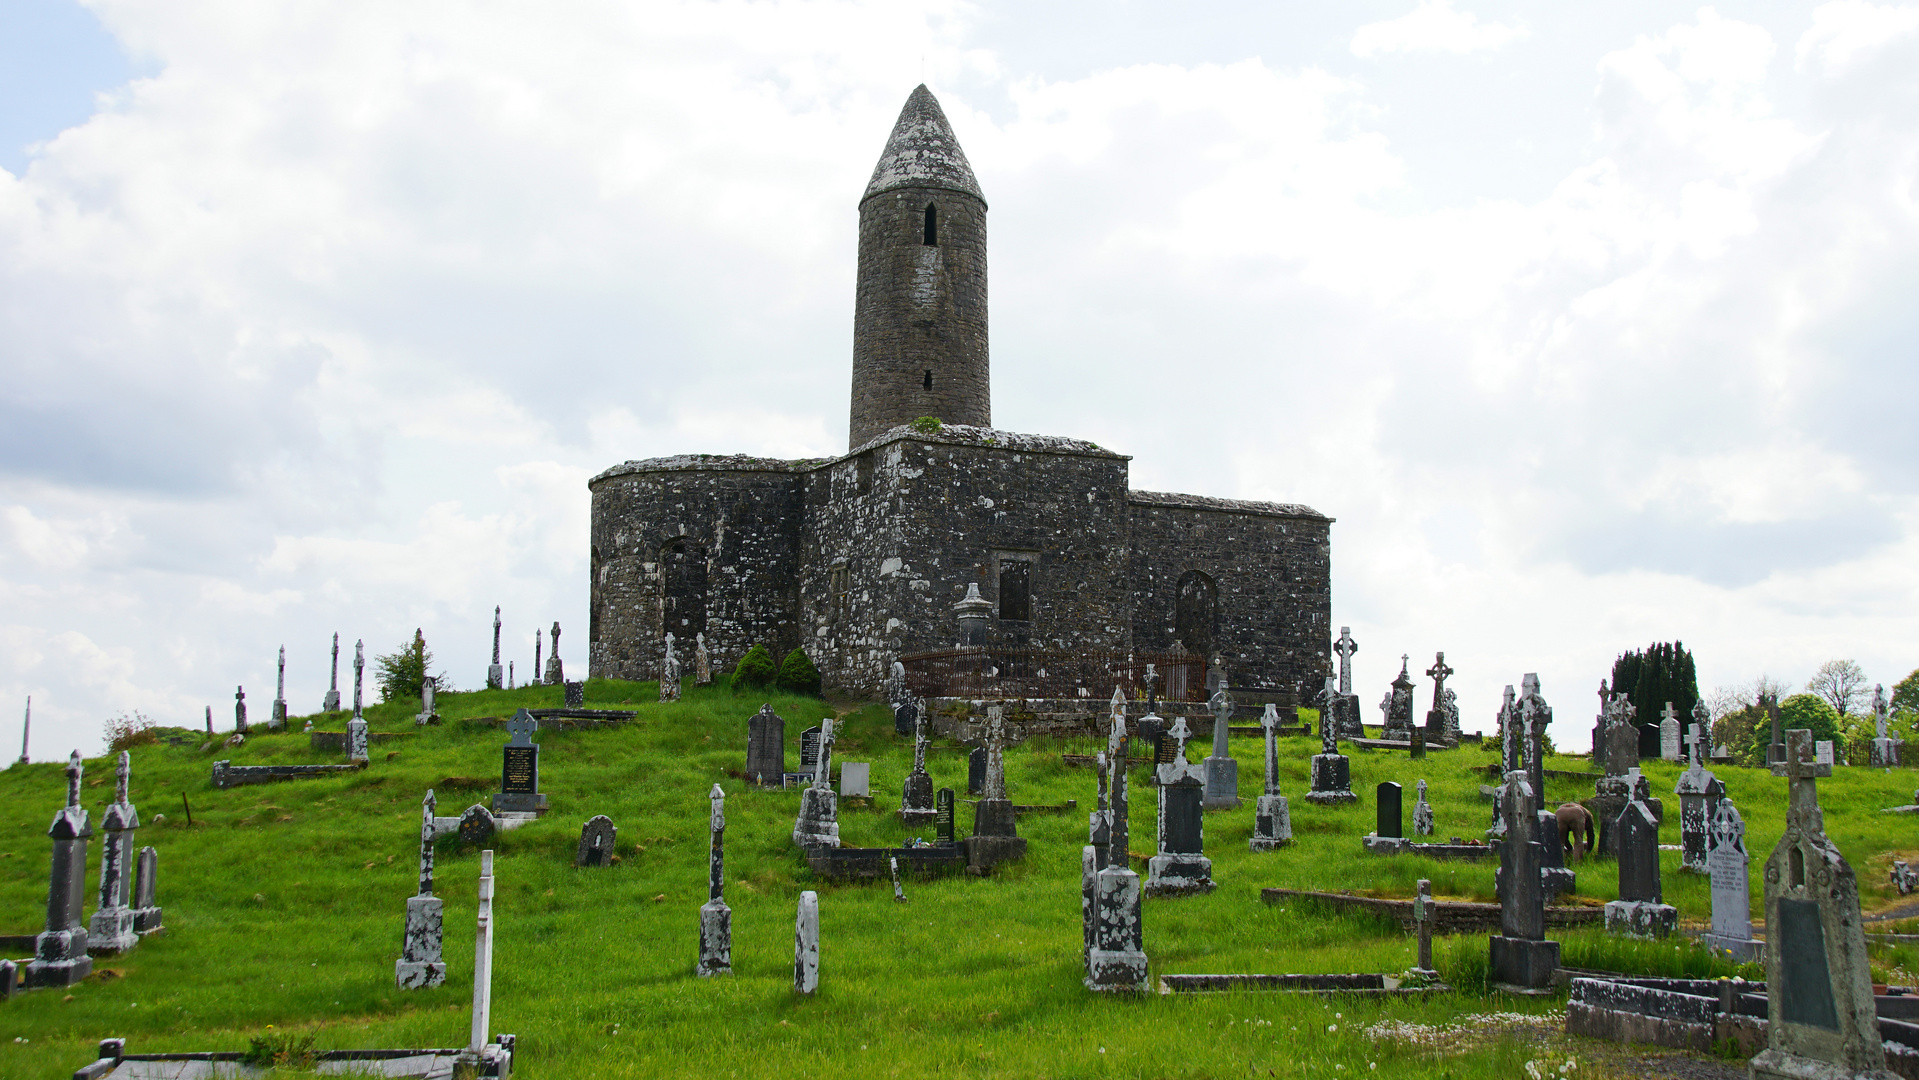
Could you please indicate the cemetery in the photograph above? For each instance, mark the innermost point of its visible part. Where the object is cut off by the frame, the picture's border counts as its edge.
(661, 945)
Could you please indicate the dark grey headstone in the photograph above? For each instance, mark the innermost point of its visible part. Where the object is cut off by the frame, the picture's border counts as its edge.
(1638, 851)
(943, 817)
(905, 716)
(976, 770)
(477, 826)
(1806, 994)
(1390, 821)
(520, 773)
(810, 750)
(597, 840)
(575, 695)
(765, 746)
(1183, 817)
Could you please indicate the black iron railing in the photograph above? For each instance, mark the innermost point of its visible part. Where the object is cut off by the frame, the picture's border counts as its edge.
(995, 672)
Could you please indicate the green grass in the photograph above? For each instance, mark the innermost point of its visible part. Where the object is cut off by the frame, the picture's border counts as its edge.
(285, 902)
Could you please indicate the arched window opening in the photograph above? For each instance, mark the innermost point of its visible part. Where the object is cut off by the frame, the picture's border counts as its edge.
(931, 237)
(683, 607)
(929, 379)
(1196, 612)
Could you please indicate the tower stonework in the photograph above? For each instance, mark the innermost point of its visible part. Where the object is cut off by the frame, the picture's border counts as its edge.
(919, 315)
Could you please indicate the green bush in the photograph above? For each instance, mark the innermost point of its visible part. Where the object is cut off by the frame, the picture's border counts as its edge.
(756, 670)
(401, 675)
(1798, 711)
(798, 675)
(927, 425)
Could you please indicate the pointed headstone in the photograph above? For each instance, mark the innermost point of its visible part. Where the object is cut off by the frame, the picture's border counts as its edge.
(421, 964)
(1181, 867)
(112, 928)
(1640, 910)
(1332, 770)
(1272, 820)
(716, 919)
(60, 952)
(765, 747)
(331, 703)
(1728, 865)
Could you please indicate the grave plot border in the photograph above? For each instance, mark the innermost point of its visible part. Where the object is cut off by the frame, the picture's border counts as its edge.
(1449, 916)
(434, 1062)
(227, 776)
(1358, 984)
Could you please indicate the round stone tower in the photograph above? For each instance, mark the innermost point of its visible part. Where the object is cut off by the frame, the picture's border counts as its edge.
(919, 320)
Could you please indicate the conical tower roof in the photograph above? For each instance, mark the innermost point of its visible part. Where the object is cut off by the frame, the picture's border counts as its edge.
(922, 152)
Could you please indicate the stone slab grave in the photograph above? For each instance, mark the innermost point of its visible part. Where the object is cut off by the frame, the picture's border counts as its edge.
(598, 839)
(334, 742)
(1449, 916)
(766, 747)
(228, 775)
(520, 768)
(1727, 865)
(1821, 1016)
(1458, 850)
(1362, 985)
(1332, 770)
(1181, 867)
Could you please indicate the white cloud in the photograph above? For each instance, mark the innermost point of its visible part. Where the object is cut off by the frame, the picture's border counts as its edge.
(1846, 31)
(1433, 26)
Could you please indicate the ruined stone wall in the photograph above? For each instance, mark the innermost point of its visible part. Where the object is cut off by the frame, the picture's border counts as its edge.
(740, 515)
(919, 315)
(1271, 564)
(912, 520)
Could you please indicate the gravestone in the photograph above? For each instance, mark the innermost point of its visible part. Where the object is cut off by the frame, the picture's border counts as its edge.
(1821, 1017)
(818, 824)
(1904, 877)
(1332, 770)
(765, 746)
(1181, 867)
(806, 944)
(1521, 959)
(427, 714)
(1822, 752)
(1442, 720)
(1343, 705)
(1417, 747)
(1620, 738)
(60, 952)
(477, 826)
(669, 673)
(146, 913)
(899, 894)
(916, 794)
(1699, 792)
(575, 694)
(1422, 812)
(1423, 912)
(995, 836)
(702, 662)
(716, 919)
(1555, 877)
(240, 710)
(555, 671)
(1397, 705)
(1388, 820)
(1885, 746)
(112, 928)
(943, 818)
(1272, 821)
(1222, 772)
(1116, 957)
(520, 768)
(277, 718)
(495, 675)
(976, 770)
(330, 703)
(905, 717)
(854, 779)
(1640, 910)
(1668, 734)
(810, 750)
(1535, 717)
(1727, 865)
(1776, 750)
(421, 964)
(598, 839)
(356, 734)
(1099, 838)
(1118, 746)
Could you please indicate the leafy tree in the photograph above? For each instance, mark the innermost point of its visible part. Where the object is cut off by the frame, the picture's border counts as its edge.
(1905, 694)
(798, 675)
(1736, 732)
(1840, 684)
(755, 670)
(1798, 711)
(403, 674)
(1663, 673)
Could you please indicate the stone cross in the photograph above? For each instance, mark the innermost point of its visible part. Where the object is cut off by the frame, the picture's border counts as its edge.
(716, 919)
(669, 672)
(1180, 733)
(1269, 720)
(995, 786)
(1222, 772)
(1345, 647)
(1802, 774)
(74, 771)
(1116, 751)
(1695, 745)
(823, 768)
(112, 926)
(1509, 746)
(427, 835)
(1423, 910)
(1537, 717)
(1727, 864)
(554, 670)
(279, 717)
(806, 944)
(60, 953)
(483, 959)
(1669, 733)
(702, 663)
(494, 681)
(332, 701)
(420, 964)
(1151, 681)
(1439, 673)
(716, 880)
(121, 774)
(1422, 812)
(1221, 706)
(1879, 709)
(538, 641)
(1329, 720)
(359, 669)
(240, 709)
(26, 728)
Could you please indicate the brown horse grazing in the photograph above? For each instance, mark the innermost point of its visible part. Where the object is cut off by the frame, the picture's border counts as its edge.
(1573, 818)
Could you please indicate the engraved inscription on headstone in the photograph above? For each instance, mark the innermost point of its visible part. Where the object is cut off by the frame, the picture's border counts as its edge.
(518, 776)
(1806, 996)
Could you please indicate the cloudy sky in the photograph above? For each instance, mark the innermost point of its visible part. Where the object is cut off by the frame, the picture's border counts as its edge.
(1592, 324)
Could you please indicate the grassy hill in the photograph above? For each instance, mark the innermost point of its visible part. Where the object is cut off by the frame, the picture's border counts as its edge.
(285, 903)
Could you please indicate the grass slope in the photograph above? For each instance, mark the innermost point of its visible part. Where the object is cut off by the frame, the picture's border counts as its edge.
(285, 903)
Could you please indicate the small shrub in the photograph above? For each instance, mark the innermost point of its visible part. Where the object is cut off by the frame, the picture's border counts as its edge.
(756, 670)
(280, 1049)
(798, 675)
(128, 730)
(927, 425)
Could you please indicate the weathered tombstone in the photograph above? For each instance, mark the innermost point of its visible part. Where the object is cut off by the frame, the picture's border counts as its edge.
(1640, 910)
(482, 1018)
(520, 769)
(330, 703)
(1222, 772)
(702, 663)
(1822, 752)
(1522, 960)
(810, 750)
(1620, 739)
(995, 836)
(477, 826)
(537, 641)
(806, 944)
(60, 952)
(598, 839)
(1423, 911)
(1699, 792)
(1442, 720)
(716, 919)
(9, 979)
(1422, 812)
(916, 794)
(1388, 820)
(670, 673)
(818, 824)
(1181, 867)
(112, 928)
(899, 894)
(943, 818)
(575, 694)
(1885, 745)
(1776, 750)
(277, 718)
(1332, 770)
(855, 777)
(1117, 747)
(1116, 959)
(421, 965)
(1904, 877)
(897, 696)
(555, 671)
(356, 740)
(1668, 733)
(765, 746)
(1099, 835)
(1535, 717)
(1416, 749)
(1727, 863)
(146, 913)
(976, 770)
(1343, 705)
(1272, 820)
(495, 675)
(1088, 891)
(1397, 705)
(240, 710)
(1821, 1017)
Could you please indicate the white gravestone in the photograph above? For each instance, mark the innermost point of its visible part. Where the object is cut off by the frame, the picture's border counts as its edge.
(853, 778)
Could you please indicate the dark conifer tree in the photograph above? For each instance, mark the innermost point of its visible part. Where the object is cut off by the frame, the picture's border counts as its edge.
(1662, 672)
